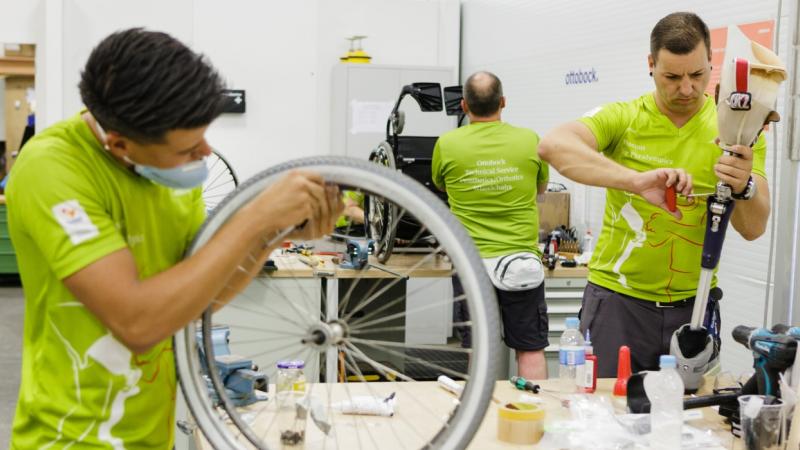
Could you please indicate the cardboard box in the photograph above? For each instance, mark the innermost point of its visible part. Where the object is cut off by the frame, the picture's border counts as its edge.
(553, 211)
(26, 50)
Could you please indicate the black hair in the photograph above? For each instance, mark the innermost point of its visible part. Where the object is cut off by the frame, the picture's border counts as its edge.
(679, 33)
(483, 99)
(143, 84)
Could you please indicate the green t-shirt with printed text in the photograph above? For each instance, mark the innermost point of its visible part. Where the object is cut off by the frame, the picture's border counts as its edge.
(490, 171)
(643, 251)
(69, 204)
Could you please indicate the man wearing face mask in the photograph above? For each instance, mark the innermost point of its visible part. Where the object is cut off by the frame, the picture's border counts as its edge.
(101, 209)
(645, 267)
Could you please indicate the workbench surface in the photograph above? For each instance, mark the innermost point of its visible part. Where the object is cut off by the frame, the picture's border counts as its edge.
(421, 405)
(417, 265)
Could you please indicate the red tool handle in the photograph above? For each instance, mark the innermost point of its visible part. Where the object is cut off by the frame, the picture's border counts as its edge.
(671, 199)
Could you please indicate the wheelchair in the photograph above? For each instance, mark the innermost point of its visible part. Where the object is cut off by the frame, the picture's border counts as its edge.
(389, 227)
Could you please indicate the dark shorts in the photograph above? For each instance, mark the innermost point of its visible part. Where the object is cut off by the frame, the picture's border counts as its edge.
(524, 315)
(616, 319)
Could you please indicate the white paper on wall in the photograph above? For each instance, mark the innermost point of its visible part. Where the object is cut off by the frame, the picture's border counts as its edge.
(369, 117)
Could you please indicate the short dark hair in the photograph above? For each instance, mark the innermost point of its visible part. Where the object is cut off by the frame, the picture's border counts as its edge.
(679, 33)
(143, 84)
(483, 99)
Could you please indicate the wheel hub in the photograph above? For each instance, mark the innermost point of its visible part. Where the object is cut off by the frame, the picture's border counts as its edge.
(323, 335)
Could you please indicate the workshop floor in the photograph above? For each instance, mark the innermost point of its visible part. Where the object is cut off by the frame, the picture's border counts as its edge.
(11, 318)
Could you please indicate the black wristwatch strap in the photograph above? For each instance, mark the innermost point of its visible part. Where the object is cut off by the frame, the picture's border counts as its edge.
(749, 191)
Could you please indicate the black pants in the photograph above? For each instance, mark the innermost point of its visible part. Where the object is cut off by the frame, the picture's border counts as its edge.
(615, 319)
(524, 315)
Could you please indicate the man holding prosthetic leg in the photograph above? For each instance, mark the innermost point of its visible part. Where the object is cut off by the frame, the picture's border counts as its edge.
(645, 268)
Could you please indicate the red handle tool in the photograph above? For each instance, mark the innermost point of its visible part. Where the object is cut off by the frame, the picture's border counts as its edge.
(671, 198)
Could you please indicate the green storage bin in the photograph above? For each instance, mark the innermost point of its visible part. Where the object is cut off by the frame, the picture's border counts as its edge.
(8, 259)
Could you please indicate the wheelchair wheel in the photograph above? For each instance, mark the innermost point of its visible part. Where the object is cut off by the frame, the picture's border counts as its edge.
(221, 180)
(278, 316)
(379, 213)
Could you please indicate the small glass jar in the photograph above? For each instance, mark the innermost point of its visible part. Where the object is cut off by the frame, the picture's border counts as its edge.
(290, 377)
(290, 387)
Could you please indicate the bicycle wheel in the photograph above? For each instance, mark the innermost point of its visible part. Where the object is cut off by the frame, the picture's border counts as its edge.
(221, 180)
(378, 213)
(364, 325)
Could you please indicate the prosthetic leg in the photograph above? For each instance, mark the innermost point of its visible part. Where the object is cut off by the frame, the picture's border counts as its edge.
(747, 92)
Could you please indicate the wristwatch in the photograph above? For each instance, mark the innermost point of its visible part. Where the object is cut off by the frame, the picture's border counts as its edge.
(748, 192)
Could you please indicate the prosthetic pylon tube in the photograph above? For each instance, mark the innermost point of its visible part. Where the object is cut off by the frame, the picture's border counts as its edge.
(747, 92)
(692, 346)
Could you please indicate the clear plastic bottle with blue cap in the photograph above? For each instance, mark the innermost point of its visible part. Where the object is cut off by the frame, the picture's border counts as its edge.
(571, 357)
(665, 391)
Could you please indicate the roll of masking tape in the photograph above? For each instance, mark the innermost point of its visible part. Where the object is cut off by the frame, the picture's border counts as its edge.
(520, 423)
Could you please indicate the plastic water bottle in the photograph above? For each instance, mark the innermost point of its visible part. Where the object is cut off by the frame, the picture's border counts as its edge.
(665, 391)
(571, 357)
(588, 242)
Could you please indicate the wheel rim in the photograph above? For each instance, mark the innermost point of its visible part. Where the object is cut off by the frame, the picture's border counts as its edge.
(379, 212)
(221, 180)
(462, 420)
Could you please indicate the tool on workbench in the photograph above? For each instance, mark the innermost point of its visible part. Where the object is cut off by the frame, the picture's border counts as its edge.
(357, 257)
(244, 384)
(748, 89)
(309, 260)
(772, 353)
(524, 385)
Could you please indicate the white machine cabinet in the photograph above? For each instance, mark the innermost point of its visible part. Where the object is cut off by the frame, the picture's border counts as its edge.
(363, 96)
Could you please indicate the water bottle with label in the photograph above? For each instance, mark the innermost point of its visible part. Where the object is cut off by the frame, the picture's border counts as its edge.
(665, 391)
(571, 357)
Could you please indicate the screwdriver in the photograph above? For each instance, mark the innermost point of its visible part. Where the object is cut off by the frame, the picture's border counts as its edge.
(670, 197)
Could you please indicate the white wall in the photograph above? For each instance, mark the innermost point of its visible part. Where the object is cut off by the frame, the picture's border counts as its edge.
(86, 22)
(532, 45)
(280, 52)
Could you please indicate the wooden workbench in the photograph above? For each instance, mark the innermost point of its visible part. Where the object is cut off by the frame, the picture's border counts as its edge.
(421, 405)
(416, 265)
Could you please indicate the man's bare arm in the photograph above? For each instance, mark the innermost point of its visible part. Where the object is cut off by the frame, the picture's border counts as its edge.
(141, 313)
(571, 149)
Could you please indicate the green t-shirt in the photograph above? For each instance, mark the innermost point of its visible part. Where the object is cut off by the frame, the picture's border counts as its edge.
(69, 204)
(643, 251)
(358, 198)
(491, 171)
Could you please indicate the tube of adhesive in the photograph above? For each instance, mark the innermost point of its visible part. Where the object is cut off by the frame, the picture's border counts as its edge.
(367, 405)
(450, 385)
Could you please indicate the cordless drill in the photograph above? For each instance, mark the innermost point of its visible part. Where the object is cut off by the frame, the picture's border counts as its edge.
(780, 328)
(772, 352)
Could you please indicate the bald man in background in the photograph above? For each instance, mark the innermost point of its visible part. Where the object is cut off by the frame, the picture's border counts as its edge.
(492, 174)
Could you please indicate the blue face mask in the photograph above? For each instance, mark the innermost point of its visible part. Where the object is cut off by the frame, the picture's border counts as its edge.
(185, 176)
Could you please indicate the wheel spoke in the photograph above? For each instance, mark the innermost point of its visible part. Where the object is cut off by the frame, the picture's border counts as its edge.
(391, 303)
(384, 370)
(354, 365)
(440, 348)
(404, 313)
(371, 298)
(417, 360)
(368, 294)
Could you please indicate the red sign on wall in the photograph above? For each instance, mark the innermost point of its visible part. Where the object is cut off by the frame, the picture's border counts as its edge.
(760, 32)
